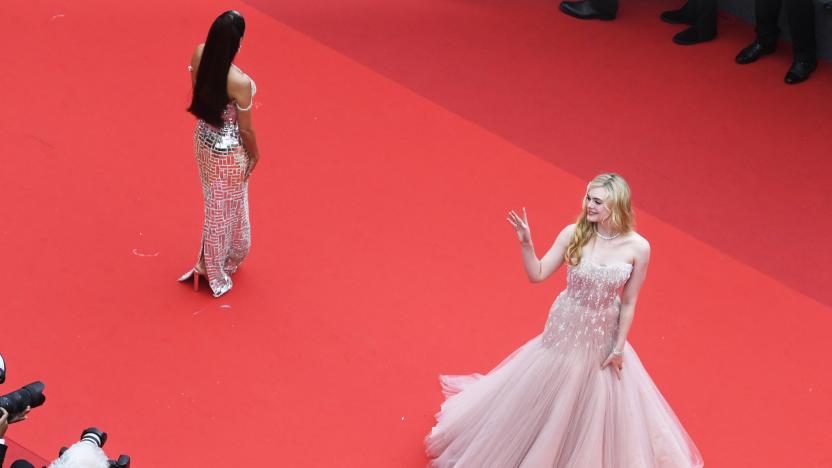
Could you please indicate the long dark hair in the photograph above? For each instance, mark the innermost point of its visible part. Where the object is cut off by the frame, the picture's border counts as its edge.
(210, 94)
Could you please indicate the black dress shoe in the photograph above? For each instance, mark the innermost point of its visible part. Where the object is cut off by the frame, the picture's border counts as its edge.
(692, 35)
(753, 52)
(800, 71)
(584, 10)
(679, 16)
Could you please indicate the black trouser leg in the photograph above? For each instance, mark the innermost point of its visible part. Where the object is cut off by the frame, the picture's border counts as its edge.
(767, 12)
(704, 15)
(688, 10)
(801, 16)
(605, 6)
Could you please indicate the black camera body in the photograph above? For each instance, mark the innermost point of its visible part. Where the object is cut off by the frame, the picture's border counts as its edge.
(32, 396)
(123, 461)
(98, 437)
(27, 396)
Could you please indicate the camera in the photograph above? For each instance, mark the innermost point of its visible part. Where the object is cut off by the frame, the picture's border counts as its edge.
(29, 395)
(97, 438)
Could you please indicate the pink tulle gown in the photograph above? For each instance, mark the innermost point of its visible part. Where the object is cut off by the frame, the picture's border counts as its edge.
(550, 405)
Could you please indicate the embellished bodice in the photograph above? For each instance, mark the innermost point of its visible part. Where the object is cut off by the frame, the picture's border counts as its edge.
(585, 314)
(226, 138)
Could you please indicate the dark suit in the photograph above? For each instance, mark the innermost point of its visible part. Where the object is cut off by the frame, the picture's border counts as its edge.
(605, 6)
(701, 14)
(17, 464)
(801, 18)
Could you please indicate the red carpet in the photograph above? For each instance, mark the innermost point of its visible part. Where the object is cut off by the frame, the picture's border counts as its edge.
(380, 252)
(712, 145)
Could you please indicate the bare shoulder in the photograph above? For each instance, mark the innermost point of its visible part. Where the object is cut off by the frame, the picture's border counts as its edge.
(568, 231)
(238, 82)
(237, 77)
(239, 87)
(640, 245)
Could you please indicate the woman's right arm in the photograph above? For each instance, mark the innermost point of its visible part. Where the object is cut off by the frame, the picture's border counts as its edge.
(242, 93)
(194, 66)
(539, 269)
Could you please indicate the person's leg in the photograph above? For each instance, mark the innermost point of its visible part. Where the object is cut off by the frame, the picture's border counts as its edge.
(801, 16)
(767, 12)
(605, 6)
(590, 9)
(684, 15)
(706, 15)
(703, 25)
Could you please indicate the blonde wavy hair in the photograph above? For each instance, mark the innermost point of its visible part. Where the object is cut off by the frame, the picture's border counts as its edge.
(621, 214)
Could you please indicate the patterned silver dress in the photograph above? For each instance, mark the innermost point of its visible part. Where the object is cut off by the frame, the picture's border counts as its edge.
(226, 234)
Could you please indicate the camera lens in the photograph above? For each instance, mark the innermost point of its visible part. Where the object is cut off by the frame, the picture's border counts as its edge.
(30, 395)
(2, 369)
(95, 436)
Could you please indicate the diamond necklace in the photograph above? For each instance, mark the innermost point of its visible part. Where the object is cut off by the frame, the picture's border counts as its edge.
(606, 237)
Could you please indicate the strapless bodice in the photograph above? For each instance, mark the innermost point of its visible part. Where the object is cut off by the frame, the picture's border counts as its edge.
(585, 314)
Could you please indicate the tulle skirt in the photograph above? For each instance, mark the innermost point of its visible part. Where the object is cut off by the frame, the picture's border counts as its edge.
(555, 407)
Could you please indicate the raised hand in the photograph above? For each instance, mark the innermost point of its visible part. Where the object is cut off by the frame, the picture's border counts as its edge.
(520, 225)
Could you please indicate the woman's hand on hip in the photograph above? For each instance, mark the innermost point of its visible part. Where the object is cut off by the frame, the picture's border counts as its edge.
(252, 162)
(616, 363)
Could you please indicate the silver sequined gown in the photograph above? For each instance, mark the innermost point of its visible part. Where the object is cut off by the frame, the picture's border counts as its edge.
(549, 404)
(226, 233)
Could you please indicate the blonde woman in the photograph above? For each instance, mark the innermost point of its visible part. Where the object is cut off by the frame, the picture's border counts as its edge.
(575, 396)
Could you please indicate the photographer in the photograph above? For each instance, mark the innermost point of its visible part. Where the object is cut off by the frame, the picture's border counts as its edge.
(85, 453)
(4, 425)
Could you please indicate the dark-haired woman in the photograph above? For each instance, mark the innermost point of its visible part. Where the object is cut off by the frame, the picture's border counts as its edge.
(226, 151)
